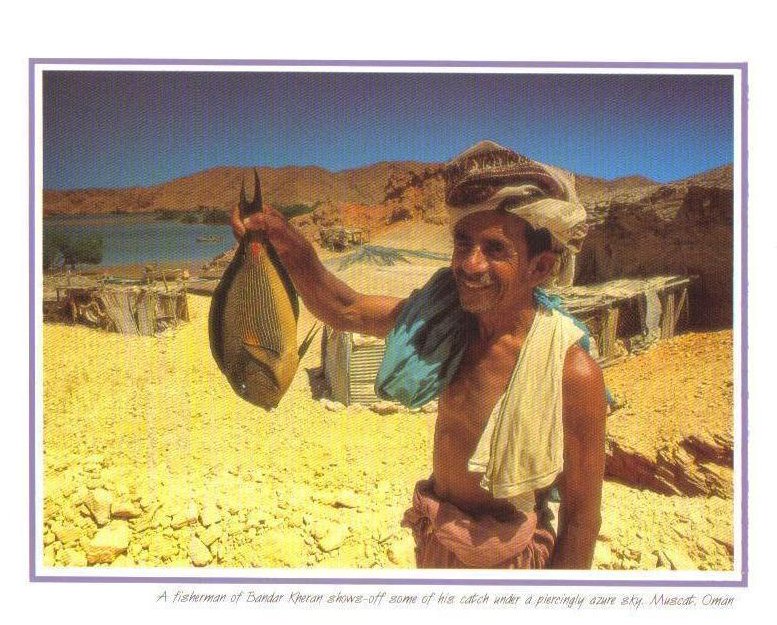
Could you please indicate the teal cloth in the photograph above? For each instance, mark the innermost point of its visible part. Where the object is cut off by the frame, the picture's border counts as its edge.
(425, 347)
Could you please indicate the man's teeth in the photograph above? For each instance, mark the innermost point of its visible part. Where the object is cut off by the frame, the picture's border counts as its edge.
(477, 283)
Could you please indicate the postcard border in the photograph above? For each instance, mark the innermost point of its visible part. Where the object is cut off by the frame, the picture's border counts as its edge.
(34, 576)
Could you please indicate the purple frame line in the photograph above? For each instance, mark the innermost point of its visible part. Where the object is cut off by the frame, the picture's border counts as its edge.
(744, 350)
(32, 328)
(742, 67)
(389, 581)
(390, 63)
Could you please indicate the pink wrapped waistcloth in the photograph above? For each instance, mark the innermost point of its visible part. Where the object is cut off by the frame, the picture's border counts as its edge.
(448, 538)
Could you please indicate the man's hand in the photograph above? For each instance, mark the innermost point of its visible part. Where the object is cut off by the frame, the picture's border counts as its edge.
(269, 221)
(238, 228)
(326, 296)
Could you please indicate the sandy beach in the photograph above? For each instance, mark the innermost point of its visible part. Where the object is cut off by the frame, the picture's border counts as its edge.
(151, 460)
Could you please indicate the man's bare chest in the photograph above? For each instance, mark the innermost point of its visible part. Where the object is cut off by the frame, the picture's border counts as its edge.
(467, 403)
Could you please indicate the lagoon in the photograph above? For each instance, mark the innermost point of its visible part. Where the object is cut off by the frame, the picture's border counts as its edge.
(141, 239)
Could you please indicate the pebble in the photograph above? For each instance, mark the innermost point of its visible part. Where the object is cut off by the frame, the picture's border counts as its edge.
(199, 553)
(210, 535)
(706, 544)
(333, 538)
(402, 552)
(95, 459)
(185, 517)
(147, 502)
(80, 495)
(727, 544)
(67, 535)
(678, 561)
(234, 527)
(209, 515)
(108, 543)
(332, 406)
(73, 557)
(682, 530)
(123, 561)
(98, 503)
(50, 555)
(347, 499)
(125, 510)
(162, 548)
(384, 407)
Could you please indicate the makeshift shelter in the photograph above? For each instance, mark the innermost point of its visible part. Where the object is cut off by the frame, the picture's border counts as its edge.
(622, 315)
(141, 307)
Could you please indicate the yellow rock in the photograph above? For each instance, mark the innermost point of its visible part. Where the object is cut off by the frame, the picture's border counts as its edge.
(99, 504)
(67, 535)
(108, 543)
(199, 553)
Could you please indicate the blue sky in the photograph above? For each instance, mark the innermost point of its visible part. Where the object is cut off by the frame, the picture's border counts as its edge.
(120, 129)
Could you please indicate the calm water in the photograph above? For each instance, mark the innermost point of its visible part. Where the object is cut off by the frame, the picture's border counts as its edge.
(130, 239)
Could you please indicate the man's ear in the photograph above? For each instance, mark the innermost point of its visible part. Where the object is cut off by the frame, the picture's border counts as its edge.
(542, 266)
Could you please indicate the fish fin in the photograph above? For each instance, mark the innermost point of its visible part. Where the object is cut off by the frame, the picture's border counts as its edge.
(308, 340)
(243, 204)
(216, 312)
(285, 279)
(256, 205)
(258, 351)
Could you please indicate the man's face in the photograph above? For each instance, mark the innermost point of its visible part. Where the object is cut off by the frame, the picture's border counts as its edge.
(490, 262)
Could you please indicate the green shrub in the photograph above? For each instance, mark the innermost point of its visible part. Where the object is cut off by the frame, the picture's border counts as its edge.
(63, 250)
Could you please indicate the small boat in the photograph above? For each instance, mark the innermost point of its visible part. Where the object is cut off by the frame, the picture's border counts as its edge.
(210, 238)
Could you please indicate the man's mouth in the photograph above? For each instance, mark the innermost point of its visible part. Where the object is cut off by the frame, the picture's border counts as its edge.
(482, 282)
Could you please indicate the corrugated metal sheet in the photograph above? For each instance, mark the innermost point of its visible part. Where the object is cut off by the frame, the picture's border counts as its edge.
(335, 357)
(365, 362)
(351, 366)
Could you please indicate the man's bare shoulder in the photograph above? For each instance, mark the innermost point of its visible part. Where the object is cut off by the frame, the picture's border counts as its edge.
(583, 390)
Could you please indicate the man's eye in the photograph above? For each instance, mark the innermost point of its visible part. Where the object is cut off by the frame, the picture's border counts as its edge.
(494, 249)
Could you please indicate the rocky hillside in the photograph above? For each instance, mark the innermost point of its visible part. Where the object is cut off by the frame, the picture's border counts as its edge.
(638, 227)
(685, 228)
(220, 188)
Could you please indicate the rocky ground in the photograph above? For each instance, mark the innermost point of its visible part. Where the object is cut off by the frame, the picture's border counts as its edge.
(151, 460)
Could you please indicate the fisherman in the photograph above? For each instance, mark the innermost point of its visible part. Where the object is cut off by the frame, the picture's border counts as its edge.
(521, 403)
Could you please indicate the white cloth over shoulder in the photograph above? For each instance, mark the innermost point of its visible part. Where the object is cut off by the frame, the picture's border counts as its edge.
(522, 446)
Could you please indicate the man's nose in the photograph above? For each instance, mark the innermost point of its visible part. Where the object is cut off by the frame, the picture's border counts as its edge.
(474, 262)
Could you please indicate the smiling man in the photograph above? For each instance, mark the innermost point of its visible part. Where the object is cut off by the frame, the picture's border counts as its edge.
(521, 404)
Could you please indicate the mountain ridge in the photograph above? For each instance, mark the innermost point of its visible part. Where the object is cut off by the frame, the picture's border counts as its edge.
(371, 185)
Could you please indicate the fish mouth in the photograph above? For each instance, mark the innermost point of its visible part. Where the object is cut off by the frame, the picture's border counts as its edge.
(257, 382)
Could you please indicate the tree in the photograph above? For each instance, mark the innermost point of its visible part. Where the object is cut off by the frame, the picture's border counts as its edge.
(63, 250)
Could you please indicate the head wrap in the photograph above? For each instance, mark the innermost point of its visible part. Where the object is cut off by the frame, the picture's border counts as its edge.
(488, 176)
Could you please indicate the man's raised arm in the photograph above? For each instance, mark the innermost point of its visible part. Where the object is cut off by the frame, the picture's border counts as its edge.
(327, 297)
(585, 413)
